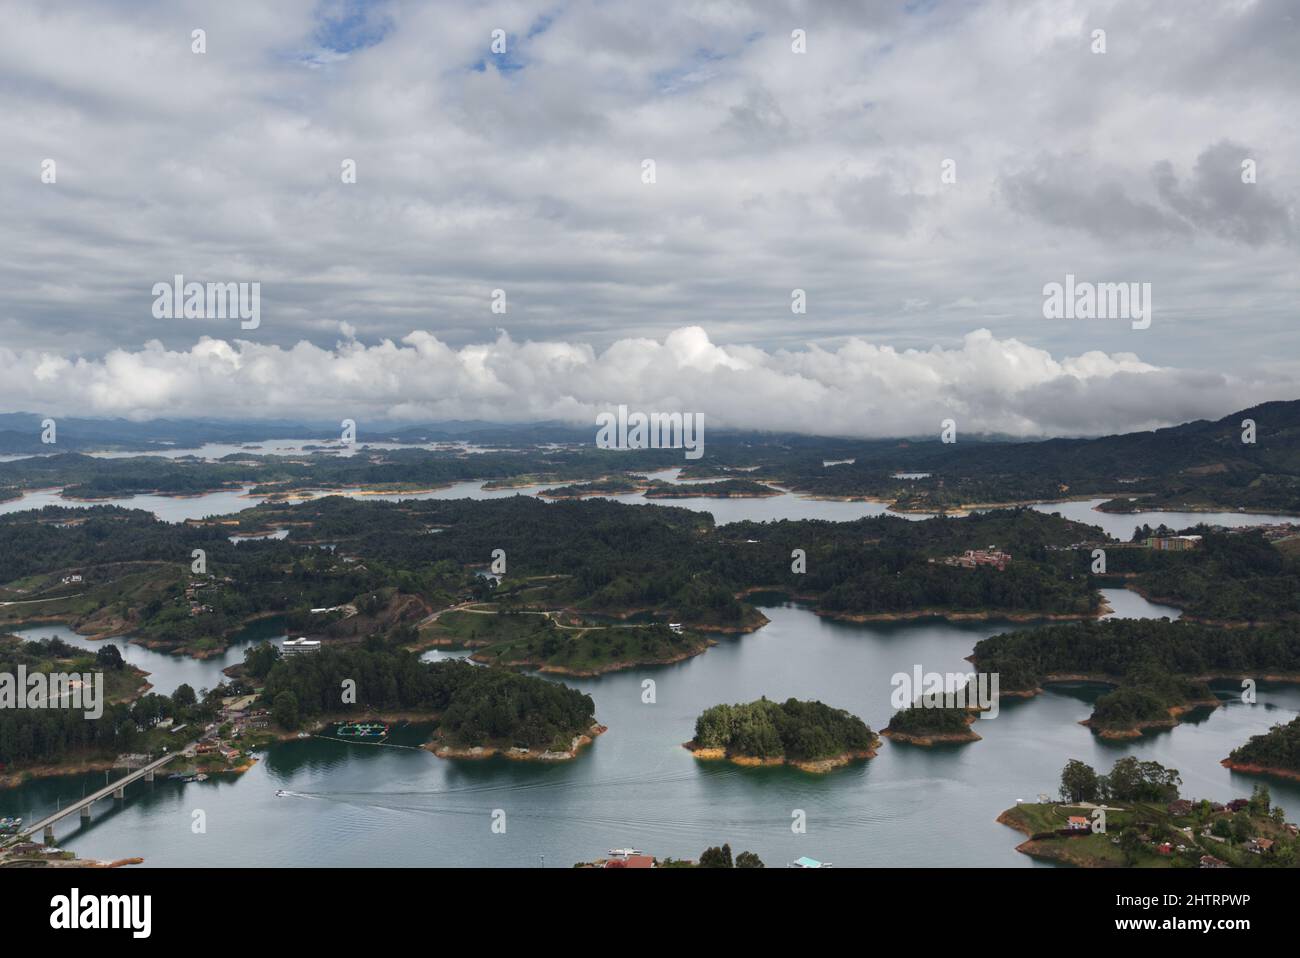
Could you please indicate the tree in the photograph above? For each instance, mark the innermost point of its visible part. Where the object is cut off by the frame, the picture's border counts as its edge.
(749, 860)
(1079, 782)
(1260, 800)
(1134, 781)
(285, 710)
(109, 657)
(1130, 843)
(716, 857)
(184, 697)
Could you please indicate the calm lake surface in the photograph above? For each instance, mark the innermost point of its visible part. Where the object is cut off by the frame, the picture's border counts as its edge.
(356, 804)
(787, 505)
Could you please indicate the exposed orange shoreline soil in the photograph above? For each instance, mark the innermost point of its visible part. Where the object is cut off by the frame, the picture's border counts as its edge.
(1139, 728)
(816, 766)
(519, 754)
(1249, 769)
(69, 863)
(929, 739)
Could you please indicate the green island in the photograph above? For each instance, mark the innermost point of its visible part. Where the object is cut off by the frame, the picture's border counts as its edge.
(1133, 817)
(1276, 752)
(811, 736)
(920, 725)
(476, 712)
(1159, 669)
(723, 489)
(530, 639)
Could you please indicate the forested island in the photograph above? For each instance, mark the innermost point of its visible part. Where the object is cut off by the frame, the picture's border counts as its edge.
(1159, 668)
(918, 725)
(722, 489)
(478, 712)
(1276, 752)
(537, 640)
(808, 735)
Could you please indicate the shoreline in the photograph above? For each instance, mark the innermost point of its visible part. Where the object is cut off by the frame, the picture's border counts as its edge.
(1249, 768)
(551, 669)
(476, 752)
(930, 739)
(818, 766)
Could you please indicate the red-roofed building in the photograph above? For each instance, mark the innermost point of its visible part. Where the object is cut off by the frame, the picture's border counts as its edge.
(632, 861)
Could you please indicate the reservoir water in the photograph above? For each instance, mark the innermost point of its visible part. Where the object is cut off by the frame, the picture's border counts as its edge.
(787, 505)
(355, 804)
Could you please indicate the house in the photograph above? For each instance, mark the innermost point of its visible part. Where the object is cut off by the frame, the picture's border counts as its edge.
(973, 558)
(676, 627)
(1164, 849)
(1180, 807)
(1237, 804)
(632, 861)
(1261, 846)
(1172, 543)
(1077, 823)
(71, 579)
(228, 753)
(1209, 861)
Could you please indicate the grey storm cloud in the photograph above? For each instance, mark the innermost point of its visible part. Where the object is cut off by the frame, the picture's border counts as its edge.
(776, 171)
(1217, 199)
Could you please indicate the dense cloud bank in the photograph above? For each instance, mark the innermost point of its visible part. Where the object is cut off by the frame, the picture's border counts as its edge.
(857, 389)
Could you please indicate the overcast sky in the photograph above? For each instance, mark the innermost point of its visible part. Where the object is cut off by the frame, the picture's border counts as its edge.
(774, 171)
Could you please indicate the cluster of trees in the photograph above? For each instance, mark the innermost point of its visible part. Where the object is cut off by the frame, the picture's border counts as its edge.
(1137, 649)
(1277, 748)
(601, 555)
(916, 720)
(616, 556)
(1130, 780)
(30, 736)
(1239, 576)
(475, 706)
(715, 857)
(1148, 698)
(802, 731)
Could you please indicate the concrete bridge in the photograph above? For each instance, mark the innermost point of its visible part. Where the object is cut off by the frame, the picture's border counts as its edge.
(116, 789)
